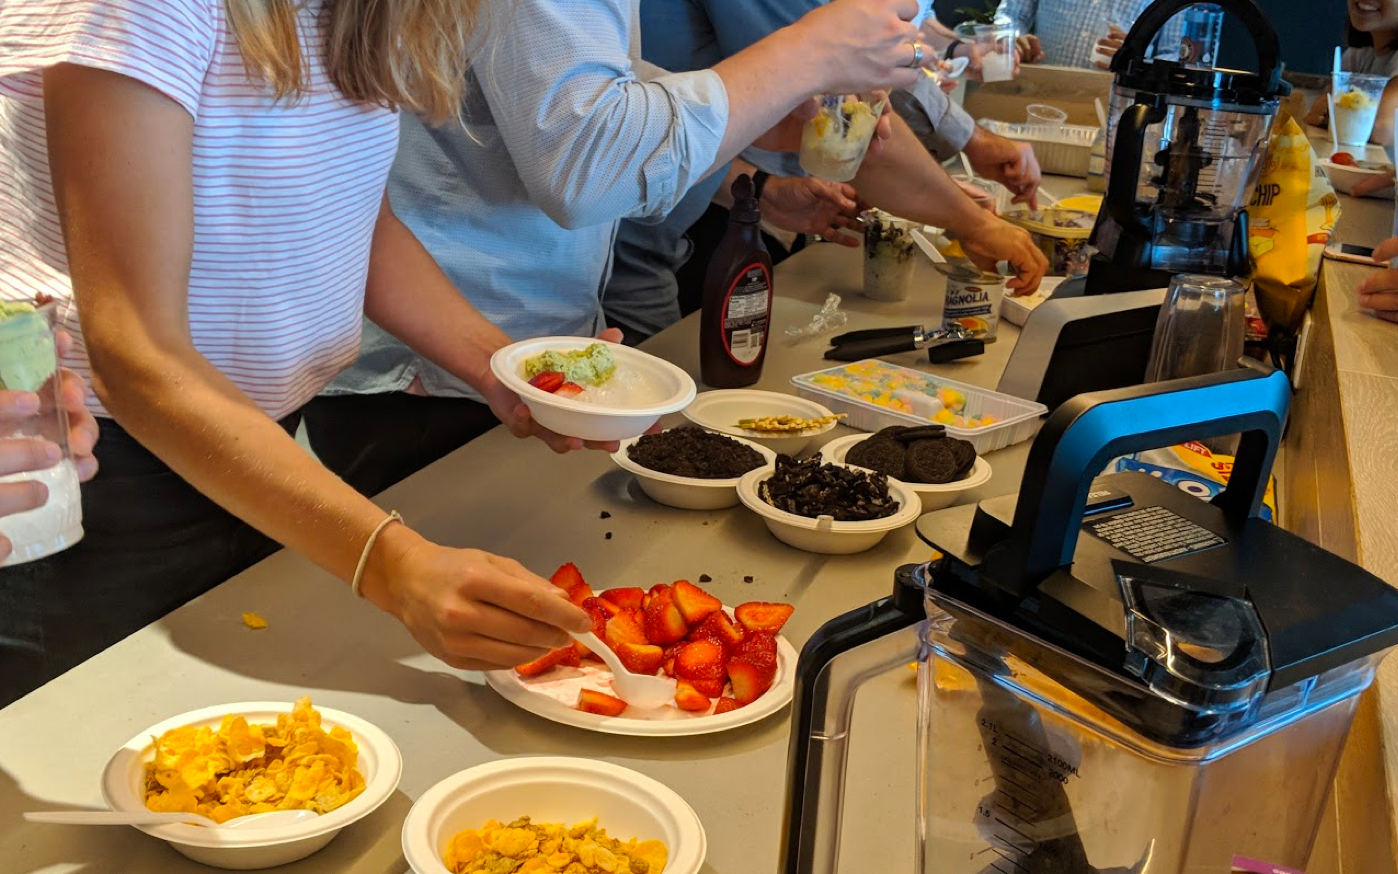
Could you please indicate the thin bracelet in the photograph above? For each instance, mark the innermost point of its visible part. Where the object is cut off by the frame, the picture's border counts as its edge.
(364, 556)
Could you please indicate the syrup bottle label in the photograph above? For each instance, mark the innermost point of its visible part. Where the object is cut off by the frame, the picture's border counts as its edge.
(745, 312)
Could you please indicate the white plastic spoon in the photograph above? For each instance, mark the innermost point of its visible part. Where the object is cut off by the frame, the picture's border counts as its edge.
(150, 817)
(638, 690)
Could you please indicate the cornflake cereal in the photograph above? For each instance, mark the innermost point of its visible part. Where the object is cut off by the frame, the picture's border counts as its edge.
(242, 769)
(525, 848)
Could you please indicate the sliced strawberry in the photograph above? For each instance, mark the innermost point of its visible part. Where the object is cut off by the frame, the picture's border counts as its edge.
(695, 604)
(720, 629)
(624, 628)
(631, 596)
(712, 688)
(607, 607)
(700, 660)
(690, 698)
(564, 655)
(568, 390)
(547, 380)
(763, 616)
(594, 609)
(726, 705)
(590, 701)
(758, 643)
(652, 592)
(750, 680)
(640, 658)
(570, 579)
(664, 622)
(668, 667)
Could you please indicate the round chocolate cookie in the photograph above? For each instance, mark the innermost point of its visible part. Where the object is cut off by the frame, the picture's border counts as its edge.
(922, 432)
(933, 461)
(883, 454)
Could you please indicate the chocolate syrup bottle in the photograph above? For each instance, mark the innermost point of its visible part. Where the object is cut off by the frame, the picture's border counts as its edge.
(737, 305)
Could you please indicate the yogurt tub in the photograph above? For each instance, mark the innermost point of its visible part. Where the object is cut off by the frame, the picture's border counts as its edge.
(973, 299)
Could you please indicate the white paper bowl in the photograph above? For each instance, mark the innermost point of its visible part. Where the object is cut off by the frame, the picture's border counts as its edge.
(720, 411)
(825, 535)
(1345, 176)
(553, 790)
(123, 788)
(654, 387)
(934, 497)
(685, 492)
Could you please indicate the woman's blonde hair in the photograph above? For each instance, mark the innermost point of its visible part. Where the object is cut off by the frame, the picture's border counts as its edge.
(404, 54)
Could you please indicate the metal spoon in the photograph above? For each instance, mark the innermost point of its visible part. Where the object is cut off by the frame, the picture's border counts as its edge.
(150, 817)
(638, 690)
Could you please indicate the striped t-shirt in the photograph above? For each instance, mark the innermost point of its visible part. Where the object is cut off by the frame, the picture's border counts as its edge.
(285, 195)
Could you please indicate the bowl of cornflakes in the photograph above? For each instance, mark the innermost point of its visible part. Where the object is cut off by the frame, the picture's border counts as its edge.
(543, 815)
(236, 760)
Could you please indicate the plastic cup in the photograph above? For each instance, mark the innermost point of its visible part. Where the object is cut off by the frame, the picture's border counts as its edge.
(29, 363)
(834, 142)
(1045, 115)
(889, 252)
(1356, 99)
(997, 45)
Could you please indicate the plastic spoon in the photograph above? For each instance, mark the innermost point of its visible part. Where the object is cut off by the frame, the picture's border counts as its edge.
(1337, 59)
(1101, 113)
(1334, 135)
(638, 690)
(150, 817)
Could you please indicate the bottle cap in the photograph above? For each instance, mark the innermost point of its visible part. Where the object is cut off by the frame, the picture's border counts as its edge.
(745, 207)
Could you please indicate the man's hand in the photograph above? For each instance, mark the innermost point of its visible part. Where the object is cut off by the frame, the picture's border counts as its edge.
(1031, 51)
(994, 240)
(1007, 162)
(1110, 44)
(1379, 291)
(806, 205)
(514, 414)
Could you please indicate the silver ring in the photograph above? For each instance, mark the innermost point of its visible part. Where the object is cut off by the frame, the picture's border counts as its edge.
(917, 55)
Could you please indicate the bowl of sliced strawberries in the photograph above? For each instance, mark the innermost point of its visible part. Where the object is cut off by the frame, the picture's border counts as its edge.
(732, 666)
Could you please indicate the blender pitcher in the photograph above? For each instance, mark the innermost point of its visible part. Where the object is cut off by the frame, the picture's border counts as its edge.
(1184, 146)
(1113, 675)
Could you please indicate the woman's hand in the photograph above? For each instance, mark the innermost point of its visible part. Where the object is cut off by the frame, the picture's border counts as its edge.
(1379, 291)
(82, 425)
(471, 609)
(514, 414)
(22, 455)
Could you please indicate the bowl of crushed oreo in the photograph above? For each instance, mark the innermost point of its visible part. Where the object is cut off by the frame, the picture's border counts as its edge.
(938, 468)
(691, 468)
(830, 508)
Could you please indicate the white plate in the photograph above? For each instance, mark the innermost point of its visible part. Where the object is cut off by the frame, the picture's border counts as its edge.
(123, 783)
(643, 389)
(934, 496)
(1345, 176)
(677, 723)
(554, 790)
(686, 492)
(720, 411)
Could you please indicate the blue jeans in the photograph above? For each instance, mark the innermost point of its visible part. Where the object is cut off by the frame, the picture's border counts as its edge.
(151, 543)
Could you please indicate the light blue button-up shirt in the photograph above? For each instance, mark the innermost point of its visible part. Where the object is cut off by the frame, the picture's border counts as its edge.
(1068, 29)
(562, 139)
(692, 35)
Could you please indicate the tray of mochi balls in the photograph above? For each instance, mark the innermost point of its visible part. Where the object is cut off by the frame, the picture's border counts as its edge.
(937, 467)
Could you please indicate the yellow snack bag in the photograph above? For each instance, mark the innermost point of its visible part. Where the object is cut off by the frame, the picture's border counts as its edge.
(1290, 217)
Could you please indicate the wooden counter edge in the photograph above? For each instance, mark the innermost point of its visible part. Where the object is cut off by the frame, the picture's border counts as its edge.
(1325, 458)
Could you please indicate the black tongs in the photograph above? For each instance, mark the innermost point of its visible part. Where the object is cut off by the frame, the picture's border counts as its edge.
(942, 345)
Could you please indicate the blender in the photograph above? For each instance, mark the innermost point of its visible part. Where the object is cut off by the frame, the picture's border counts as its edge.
(1184, 146)
(1114, 675)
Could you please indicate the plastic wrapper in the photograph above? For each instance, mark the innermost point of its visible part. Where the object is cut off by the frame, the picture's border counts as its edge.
(1191, 468)
(830, 318)
(1290, 217)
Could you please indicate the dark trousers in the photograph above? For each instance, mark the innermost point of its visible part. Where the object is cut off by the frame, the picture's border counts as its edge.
(373, 441)
(151, 542)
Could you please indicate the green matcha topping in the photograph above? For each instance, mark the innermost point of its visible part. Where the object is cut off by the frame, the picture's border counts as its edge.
(591, 366)
(27, 353)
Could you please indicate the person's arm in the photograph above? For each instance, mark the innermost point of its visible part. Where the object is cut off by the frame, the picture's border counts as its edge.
(593, 143)
(801, 204)
(121, 160)
(1378, 292)
(906, 181)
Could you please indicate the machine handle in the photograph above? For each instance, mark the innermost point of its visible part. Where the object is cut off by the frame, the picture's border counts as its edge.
(821, 711)
(1159, 13)
(1089, 430)
(1126, 160)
